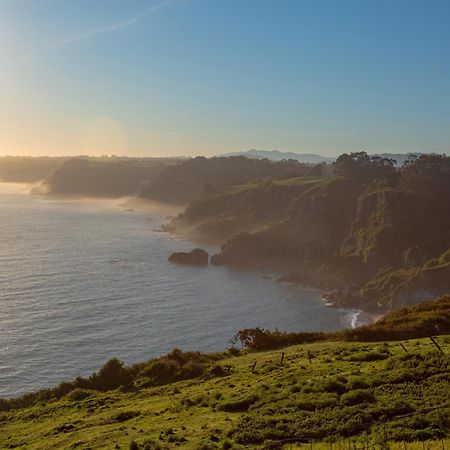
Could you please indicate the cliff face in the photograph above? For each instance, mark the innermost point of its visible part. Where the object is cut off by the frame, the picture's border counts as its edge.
(393, 228)
(405, 286)
(308, 234)
(221, 213)
(377, 246)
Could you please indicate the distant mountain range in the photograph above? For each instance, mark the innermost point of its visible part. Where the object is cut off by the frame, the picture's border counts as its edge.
(278, 156)
(312, 158)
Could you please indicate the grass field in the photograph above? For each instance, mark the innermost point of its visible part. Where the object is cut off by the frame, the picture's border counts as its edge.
(332, 394)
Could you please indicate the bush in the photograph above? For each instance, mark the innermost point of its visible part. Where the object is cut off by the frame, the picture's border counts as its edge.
(4, 405)
(112, 375)
(176, 366)
(358, 383)
(240, 405)
(357, 396)
(259, 339)
(233, 351)
(79, 394)
(315, 402)
(367, 356)
(334, 386)
(123, 416)
(218, 371)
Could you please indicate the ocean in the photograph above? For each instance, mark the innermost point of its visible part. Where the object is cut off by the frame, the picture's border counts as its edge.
(82, 281)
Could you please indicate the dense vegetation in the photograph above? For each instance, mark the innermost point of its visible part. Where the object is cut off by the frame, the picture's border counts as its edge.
(376, 235)
(165, 180)
(103, 177)
(425, 319)
(186, 181)
(173, 367)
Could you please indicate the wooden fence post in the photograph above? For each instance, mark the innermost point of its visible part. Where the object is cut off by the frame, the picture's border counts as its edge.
(436, 344)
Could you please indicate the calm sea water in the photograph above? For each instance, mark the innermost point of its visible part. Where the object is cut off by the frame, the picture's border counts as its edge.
(83, 281)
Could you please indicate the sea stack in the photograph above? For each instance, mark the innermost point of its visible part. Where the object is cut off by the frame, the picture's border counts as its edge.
(196, 257)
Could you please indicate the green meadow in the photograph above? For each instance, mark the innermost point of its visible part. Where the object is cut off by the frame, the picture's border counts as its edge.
(324, 395)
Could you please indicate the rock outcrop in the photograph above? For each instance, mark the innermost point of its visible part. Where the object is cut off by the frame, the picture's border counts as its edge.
(196, 257)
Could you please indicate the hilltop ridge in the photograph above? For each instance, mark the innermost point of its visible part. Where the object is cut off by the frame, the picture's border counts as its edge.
(313, 158)
(276, 155)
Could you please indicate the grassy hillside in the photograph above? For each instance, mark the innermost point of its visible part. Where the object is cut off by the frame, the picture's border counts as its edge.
(343, 391)
(346, 389)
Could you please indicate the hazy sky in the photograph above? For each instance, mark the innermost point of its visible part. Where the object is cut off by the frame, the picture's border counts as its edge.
(155, 77)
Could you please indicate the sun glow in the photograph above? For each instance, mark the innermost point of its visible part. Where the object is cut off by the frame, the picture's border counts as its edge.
(102, 135)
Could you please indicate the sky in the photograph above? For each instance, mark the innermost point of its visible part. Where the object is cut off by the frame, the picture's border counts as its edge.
(203, 77)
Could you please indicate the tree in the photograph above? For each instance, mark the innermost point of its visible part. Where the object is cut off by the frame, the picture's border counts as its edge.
(112, 375)
(427, 176)
(360, 164)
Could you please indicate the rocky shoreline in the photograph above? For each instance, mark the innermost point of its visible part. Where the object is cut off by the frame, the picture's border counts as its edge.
(331, 296)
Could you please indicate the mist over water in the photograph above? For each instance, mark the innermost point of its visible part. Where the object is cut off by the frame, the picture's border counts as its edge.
(83, 281)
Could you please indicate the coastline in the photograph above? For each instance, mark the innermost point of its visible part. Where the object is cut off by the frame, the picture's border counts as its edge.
(362, 318)
(356, 317)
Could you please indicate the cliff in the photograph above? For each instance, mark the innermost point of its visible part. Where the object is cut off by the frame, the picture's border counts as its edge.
(222, 212)
(371, 236)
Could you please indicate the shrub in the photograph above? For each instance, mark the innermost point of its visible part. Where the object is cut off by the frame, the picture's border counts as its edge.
(226, 445)
(238, 405)
(218, 371)
(123, 416)
(315, 402)
(367, 356)
(334, 386)
(357, 396)
(259, 339)
(233, 351)
(4, 405)
(79, 394)
(176, 366)
(358, 383)
(112, 375)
